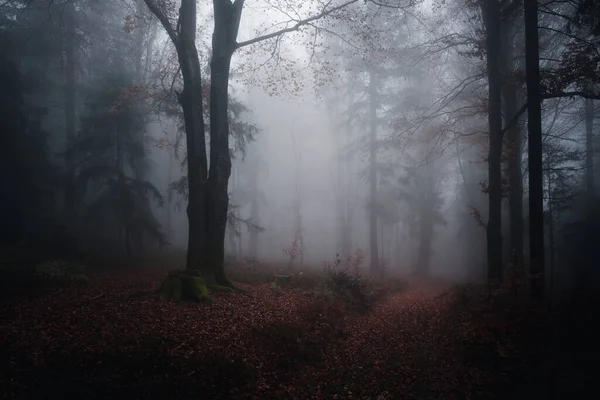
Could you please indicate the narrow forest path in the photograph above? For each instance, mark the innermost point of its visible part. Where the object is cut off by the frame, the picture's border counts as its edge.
(407, 347)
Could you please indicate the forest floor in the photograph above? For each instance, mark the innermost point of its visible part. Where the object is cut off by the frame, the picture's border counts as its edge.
(114, 337)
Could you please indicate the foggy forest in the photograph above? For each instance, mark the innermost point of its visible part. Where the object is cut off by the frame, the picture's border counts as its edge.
(299, 199)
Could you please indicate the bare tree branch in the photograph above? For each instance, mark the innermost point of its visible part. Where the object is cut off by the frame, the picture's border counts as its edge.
(163, 20)
(546, 96)
(296, 26)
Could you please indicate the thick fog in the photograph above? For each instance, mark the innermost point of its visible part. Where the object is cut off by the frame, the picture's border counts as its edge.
(299, 199)
(361, 130)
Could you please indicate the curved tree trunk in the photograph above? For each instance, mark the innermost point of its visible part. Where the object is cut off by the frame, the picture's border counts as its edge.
(190, 99)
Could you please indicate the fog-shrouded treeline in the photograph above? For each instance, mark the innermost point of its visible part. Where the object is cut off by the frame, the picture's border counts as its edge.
(402, 133)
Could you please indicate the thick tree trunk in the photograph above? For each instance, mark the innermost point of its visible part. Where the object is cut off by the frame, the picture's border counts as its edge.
(70, 100)
(491, 11)
(191, 102)
(373, 174)
(513, 146)
(190, 99)
(536, 185)
(220, 164)
(227, 19)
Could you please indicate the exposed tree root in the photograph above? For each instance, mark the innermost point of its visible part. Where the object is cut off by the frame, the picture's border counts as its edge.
(195, 285)
(185, 285)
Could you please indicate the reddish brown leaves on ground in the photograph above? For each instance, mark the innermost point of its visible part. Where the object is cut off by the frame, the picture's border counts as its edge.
(117, 338)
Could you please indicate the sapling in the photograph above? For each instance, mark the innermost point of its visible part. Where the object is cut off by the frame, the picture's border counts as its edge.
(356, 259)
(292, 251)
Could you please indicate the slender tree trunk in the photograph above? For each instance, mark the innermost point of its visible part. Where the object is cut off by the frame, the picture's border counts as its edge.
(298, 201)
(551, 240)
(123, 203)
(373, 173)
(426, 225)
(255, 203)
(70, 100)
(140, 31)
(513, 147)
(536, 182)
(169, 204)
(238, 214)
(255, 218)
(589, 152)
(381, 242)
(150, 49)
(226, 24)
(340, 205)
(425, 241)
(491, 12)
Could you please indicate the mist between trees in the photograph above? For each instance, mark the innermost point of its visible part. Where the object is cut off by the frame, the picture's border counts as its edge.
(398, 128)
(341, 151)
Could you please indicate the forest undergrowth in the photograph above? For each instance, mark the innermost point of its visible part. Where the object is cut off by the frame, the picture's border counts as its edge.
(114, 337)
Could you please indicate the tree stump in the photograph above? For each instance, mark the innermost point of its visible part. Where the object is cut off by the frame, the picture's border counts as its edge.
(282, 280)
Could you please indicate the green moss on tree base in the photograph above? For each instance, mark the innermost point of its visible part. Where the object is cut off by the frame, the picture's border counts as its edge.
(185, 286)
(193, 285)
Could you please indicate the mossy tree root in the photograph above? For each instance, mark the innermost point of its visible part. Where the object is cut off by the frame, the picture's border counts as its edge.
(195, 285)
(185, 286)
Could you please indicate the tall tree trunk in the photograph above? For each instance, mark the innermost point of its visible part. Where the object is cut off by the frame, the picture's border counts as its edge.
(536, 182)
(150, 49)
(551, 244)
(140, 33)
(373, 173)
(123, 202)
(256, 169)
(491, 12)
(589, 152)
(425, 225)
(191, 102)
(255, 218)
(190, 99)
(70, 100)
(169, 204)
(425, 241)
(298, 202)
(513, 146)
(227, 17)
(340, 205)
(238, 214)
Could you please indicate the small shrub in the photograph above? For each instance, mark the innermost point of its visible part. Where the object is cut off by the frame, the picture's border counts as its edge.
(349, 287)
(275, 289)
